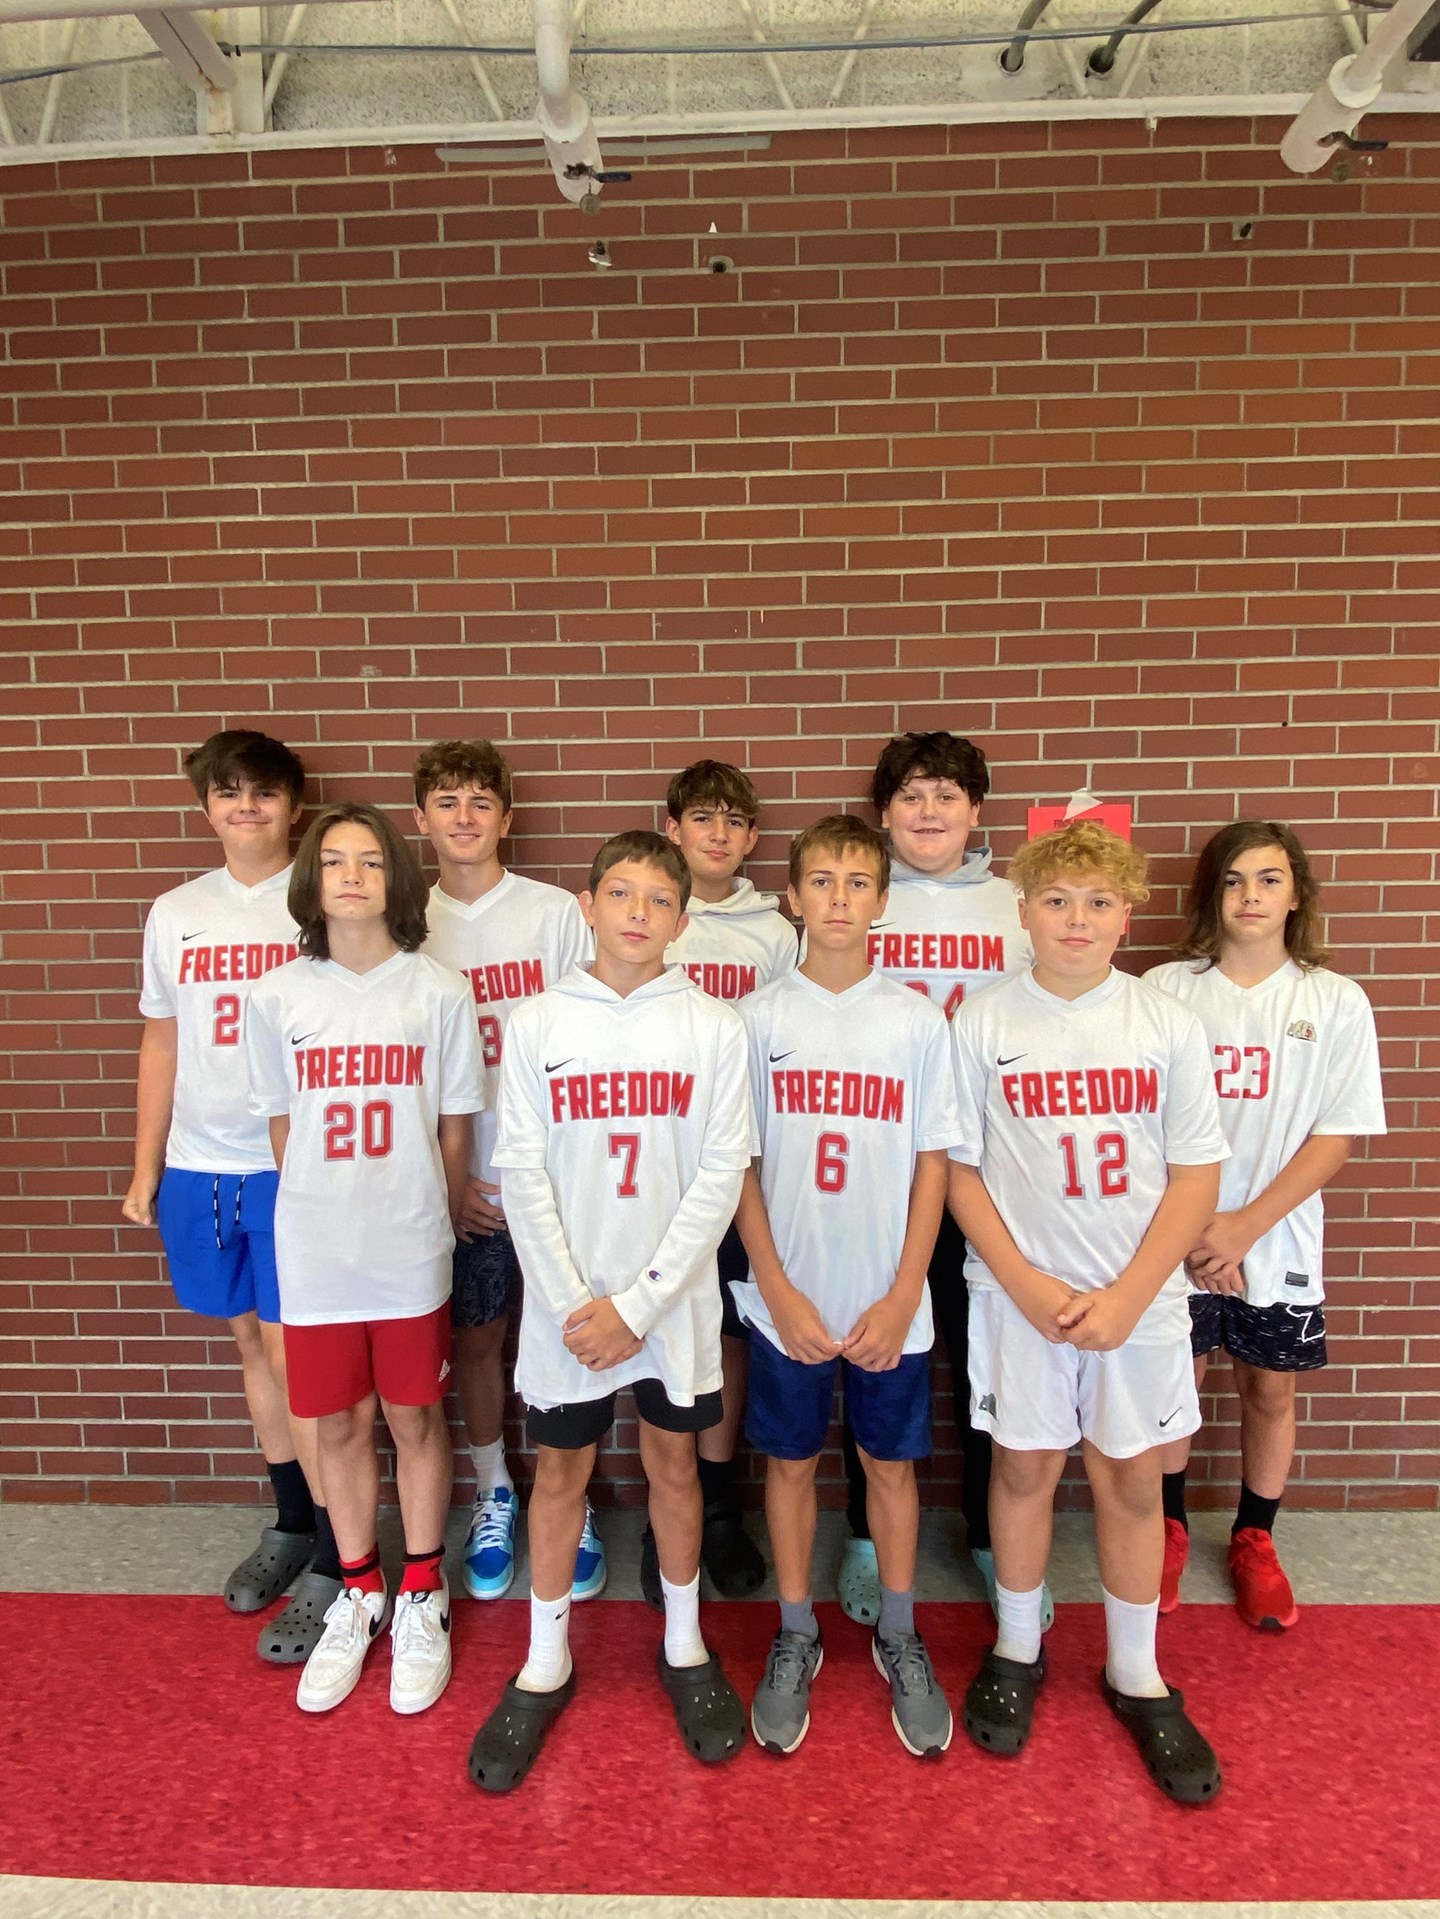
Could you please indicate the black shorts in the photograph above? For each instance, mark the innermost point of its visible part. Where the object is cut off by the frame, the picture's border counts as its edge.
(485, 1280)
(585, 1422)
(1275, 1339)
(734, 1263)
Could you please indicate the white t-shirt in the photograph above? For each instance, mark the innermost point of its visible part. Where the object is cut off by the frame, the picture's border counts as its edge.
(625, 1130)
(364, 1064)
(511, 944)
(732, 948)
(206, 944)
(848, 1088)
(949, 938)
(1294, 1056)
(1072, 1110)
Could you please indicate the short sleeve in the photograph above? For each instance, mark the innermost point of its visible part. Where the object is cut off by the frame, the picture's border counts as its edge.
(969, 1072)
(462, 1078)
(1354, 1100)
(264, 1056)
(1190, 1119)
(937, 1112)
(157, 991)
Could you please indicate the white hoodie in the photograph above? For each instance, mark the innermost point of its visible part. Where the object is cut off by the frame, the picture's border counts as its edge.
(737, 945)
(950, 935)
(625, 1130)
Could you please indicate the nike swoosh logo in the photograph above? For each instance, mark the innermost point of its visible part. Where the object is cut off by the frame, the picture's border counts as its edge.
(1175, 1415)
(1011, 1061)
(775, 1058)
(555, 1068)
(185, 938)
(303, 1037)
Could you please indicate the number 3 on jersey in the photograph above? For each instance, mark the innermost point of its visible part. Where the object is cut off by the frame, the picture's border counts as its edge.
(1110, 1158)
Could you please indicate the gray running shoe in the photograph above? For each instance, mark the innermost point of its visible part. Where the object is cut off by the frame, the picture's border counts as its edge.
(918, 1708)
(780, 1711)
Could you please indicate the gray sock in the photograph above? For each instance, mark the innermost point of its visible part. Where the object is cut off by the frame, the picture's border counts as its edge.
(897, 1612)
(799, 1616)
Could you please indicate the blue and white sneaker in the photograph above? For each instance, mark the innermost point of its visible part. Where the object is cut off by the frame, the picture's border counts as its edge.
(590, 1571)
(490, 1547)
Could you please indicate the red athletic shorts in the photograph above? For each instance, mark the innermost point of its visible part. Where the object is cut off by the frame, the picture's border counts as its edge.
(331, 1368)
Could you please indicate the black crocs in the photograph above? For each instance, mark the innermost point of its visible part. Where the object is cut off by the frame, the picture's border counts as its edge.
(1000, 1703)
(279, 1558)
(508, 1744)
(707, 1711)
(729, 1554)
(293, 1634)
(1179, 1756)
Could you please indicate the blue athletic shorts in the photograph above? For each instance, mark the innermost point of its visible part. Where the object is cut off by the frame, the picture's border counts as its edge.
(485, 1280)
(787, 1413)
(219, 1235)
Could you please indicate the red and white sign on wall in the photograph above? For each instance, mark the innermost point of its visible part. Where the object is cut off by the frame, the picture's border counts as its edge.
(1118, 815)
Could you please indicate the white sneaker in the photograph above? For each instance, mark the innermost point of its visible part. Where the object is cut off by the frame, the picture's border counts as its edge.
(420, 1657)
(352, 1625)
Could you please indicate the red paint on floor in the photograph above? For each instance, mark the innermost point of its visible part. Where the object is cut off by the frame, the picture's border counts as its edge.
(142, 1739)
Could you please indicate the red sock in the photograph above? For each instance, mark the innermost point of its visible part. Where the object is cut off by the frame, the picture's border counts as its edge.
(422, 1571)
(363, 1575)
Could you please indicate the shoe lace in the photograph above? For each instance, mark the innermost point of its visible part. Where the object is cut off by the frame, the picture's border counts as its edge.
(345, 1625)
(785, 1672)
(589, 1538)
(907, 1659)
(491, 1525)
(416, 1624)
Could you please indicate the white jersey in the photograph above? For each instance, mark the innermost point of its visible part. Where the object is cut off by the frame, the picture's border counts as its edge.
(1294, 1056)
(510, 944)
(949, 938)
(848, 1088)
(733, 948)
(625, 1130)
(364, 1064)
(206, 944)
(1072, 1111)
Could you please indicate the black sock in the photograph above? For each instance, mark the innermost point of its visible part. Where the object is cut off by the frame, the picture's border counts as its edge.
(715, 1478)
(296, 1509)
(1172, 1497)
(327, 1554)
(1254, 1511)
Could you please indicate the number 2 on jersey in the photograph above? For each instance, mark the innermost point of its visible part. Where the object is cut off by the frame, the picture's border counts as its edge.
(227, 1020)
(626, 1148)
(376, 1129)
(1109, 1161)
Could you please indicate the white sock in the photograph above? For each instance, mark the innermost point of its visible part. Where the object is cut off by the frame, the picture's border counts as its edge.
(1019, 1618)
(1130, 1648)
(548, 1663)
(683, 1644)
(490, 1468)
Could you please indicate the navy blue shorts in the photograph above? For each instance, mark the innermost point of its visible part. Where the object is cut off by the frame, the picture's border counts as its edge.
(734, 1263)
(485, 1280)
(1275, 1339)
(219, 1235)
(787, 1413)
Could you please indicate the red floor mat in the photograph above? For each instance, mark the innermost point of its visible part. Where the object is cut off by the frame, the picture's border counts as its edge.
(143, 1740)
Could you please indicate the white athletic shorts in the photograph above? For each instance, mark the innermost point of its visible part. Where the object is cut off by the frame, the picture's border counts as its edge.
(1035, 1397)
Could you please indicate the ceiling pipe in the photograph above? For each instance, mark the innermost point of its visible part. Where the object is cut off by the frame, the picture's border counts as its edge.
(1102, 60)
(1353, 86)
(1013, 58)
(563, 115)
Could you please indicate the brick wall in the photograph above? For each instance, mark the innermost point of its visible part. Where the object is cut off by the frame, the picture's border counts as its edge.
(1006, 428)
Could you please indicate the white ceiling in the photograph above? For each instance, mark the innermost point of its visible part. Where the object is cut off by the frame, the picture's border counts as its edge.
(684, 66)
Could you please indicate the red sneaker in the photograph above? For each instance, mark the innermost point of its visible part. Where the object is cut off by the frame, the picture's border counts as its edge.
(1177, 1551)
(1262, 1592)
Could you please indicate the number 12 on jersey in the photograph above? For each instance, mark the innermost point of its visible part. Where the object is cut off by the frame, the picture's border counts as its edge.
(1110, 1164)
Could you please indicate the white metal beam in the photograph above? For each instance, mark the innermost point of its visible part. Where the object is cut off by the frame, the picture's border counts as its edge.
(186, 43)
